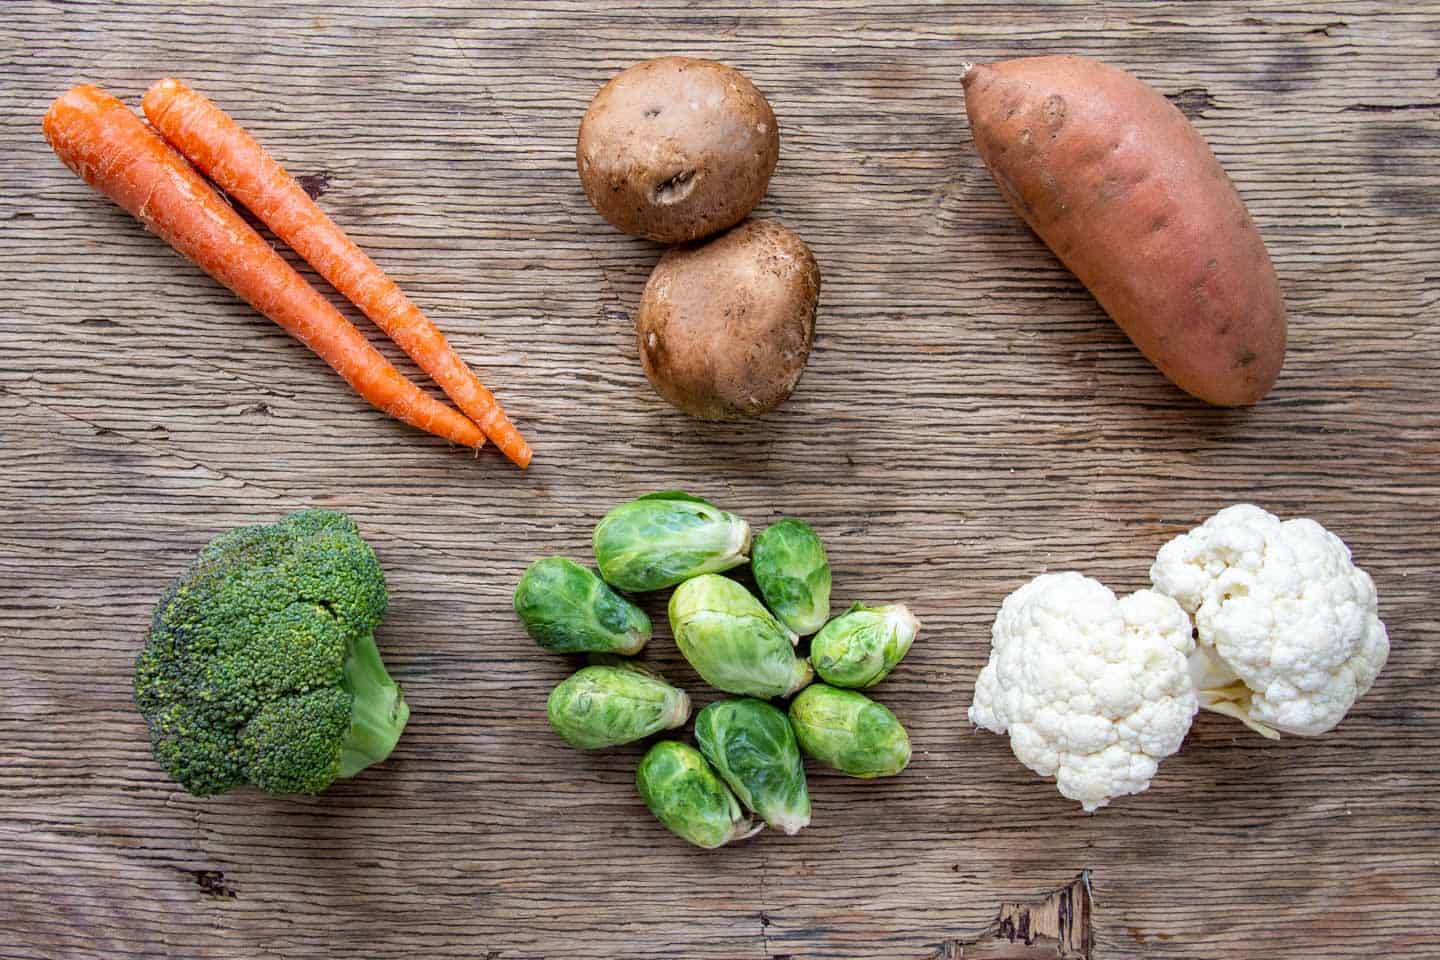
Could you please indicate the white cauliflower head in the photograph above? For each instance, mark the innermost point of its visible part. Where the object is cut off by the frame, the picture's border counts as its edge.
(1288, 627)
(1093, 691)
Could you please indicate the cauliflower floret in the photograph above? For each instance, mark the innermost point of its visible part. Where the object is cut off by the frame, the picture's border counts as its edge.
(1093, 691)
(1288, 627)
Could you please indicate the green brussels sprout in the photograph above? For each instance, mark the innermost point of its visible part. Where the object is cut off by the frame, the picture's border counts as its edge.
(849, 731)
(751, 745)
(793, 575)
(662, 539)
(732, 641)
(603, 706)
(568, 609)
(685, 794)
(859, 647)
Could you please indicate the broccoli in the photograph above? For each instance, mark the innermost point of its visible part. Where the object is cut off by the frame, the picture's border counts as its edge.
(261, 667)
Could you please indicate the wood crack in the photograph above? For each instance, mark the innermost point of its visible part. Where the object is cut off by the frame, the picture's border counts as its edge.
(1057, 926)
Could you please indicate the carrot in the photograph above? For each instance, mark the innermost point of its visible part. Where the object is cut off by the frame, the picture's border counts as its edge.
(228, 155)
(113, 151)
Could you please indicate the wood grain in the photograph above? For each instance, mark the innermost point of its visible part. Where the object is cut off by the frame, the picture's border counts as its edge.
(1054, 927)
(969, 418)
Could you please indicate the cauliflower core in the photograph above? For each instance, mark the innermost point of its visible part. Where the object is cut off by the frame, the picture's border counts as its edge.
(1093, 690)
(1288, 627)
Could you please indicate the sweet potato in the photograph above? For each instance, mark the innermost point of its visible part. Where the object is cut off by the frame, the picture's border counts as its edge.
(1128, 195)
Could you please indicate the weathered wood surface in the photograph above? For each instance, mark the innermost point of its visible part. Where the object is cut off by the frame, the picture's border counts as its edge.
(969, 419)
(1054, 927)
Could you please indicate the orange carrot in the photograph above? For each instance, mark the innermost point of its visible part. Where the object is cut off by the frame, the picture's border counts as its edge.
(228, 155)
(113, 151)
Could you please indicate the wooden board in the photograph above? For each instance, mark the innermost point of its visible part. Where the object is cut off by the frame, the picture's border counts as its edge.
(969, 419)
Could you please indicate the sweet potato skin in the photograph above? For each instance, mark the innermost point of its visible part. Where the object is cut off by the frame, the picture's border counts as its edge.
(1128, 195)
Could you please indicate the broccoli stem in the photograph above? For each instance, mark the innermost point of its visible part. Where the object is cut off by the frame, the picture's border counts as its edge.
(379, 711)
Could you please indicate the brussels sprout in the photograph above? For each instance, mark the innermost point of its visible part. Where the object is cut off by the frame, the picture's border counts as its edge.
(605, 706)
(849, 731)
(732, 641)
(685, 794)
(661, 539)
(750, 744)
(859, 647)
(567, 609)
(793, 575)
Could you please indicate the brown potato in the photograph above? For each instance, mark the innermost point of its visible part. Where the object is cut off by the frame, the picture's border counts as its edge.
(676, 149)
(725, 325)
(1127, 193)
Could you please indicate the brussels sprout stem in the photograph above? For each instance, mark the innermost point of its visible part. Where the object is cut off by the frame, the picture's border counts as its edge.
(804, 673)
(636, 644)
(740, 542)
(791, 823)
(680, 712)
(901, 621)
(744, 830)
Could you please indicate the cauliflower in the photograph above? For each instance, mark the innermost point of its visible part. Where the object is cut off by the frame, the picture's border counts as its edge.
(1093, 690)
(1288, 631)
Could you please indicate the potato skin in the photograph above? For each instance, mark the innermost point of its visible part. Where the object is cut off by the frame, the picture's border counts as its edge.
(725, 325)
(674, 149)
(1128, 195)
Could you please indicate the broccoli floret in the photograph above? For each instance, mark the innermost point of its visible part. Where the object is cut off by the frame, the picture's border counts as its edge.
(261, 666)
